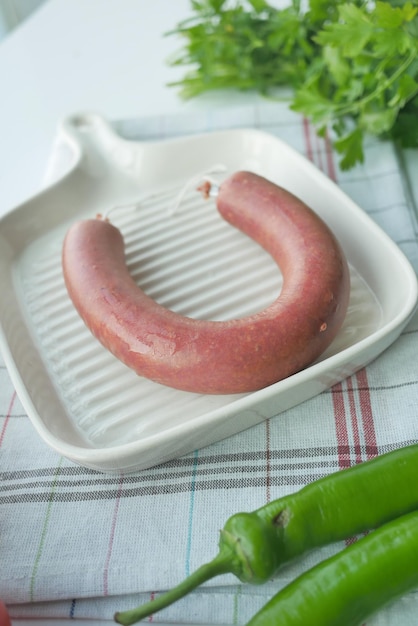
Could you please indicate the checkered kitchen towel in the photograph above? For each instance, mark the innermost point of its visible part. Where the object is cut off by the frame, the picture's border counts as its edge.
(76, 543)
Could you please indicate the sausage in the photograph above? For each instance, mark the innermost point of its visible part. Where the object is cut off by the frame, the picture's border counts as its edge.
(217, 357)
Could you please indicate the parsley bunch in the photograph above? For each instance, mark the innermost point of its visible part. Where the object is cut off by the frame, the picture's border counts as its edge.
(351, 66)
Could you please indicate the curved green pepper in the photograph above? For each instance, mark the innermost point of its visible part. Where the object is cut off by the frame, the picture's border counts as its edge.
(253, 546)
(352, 585)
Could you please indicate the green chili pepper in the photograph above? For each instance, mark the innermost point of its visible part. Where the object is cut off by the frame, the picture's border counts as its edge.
(352, 585)
(253, 546)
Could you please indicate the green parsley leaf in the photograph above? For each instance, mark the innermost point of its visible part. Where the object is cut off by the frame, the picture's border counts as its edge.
(350, 34)
(407, 88)
(337, 65)
(378, 122)
(387, 16)
(349, 64)
(351, 147)
(310, 101)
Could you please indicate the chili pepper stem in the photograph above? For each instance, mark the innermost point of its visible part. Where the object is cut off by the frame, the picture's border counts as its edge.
(221, 564)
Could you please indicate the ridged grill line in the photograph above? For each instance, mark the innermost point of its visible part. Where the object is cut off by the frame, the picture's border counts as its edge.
(148, 219)
(91, 359)
(63, 339)
(48, 275)
(105, 395)
(185, 258)
(52, 293)
(55, 300)
(159, 258)
(87, 347)
(181, 217)
(146, 247)
(46, 265)
(210, 268)
(138, 414)
(67, 322)
(97, 376)
(145, 205)
(234, 306)
(147, 400)
(219, 297)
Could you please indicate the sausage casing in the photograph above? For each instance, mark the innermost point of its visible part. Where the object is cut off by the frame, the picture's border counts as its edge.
(217, 357)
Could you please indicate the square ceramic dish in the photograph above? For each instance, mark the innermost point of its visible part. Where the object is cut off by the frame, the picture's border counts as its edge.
(81, 400)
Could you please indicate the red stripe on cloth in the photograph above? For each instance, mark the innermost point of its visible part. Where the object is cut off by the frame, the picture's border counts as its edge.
(367, 414)
(338, 392)
(308, 144)
(329, 166)
(7, 419)
(354, 421)
(318, 152)
(343, 444)
(111, 540)
(341, 426)
(369, 432)
(332, 170)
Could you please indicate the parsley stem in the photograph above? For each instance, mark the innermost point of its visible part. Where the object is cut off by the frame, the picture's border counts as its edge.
(354, 107)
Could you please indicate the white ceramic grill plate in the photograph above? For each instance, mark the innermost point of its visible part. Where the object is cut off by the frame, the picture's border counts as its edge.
(85, 403)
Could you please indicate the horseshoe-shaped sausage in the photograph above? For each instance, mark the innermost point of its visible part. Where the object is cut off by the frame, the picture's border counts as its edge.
(217, 357)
